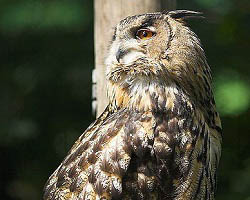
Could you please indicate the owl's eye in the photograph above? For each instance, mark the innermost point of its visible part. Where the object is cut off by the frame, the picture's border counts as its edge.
(144, 34)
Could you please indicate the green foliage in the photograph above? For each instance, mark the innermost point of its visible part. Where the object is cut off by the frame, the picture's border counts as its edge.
(222, 6)
(39, 16)
(232, 95)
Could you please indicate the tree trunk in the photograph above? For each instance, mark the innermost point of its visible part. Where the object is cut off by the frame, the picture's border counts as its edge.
(107, 14)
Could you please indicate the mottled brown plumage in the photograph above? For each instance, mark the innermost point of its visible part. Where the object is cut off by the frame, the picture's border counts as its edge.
(160, 135)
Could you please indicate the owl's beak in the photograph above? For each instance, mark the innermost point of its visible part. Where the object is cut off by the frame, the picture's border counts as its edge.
(119, 54)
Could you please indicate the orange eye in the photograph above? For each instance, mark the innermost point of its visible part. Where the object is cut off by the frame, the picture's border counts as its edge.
(144, 34)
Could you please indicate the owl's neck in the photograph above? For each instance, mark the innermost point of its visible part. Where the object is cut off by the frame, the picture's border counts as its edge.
(147, 95)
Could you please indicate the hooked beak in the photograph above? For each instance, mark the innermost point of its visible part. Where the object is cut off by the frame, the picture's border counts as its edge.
(119, 54)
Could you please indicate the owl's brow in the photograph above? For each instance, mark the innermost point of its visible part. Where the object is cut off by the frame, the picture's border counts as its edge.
(149, 20)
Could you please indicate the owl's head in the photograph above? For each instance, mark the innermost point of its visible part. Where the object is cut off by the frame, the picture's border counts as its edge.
(143, 44)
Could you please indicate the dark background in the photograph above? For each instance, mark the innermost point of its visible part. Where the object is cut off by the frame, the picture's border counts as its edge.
(46, 59)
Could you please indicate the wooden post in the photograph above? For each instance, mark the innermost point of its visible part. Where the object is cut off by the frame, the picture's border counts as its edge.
(107, 14)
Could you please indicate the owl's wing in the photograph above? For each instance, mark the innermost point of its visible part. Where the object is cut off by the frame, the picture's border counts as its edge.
(197, 149)
(162, 155)
(96, 163)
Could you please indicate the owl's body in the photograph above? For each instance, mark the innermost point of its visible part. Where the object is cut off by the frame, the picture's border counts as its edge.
(160, 136)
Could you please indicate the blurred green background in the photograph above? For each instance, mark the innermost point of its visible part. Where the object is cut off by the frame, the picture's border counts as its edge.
(46, 56)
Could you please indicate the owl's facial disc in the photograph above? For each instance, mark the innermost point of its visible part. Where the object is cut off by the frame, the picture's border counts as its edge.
(129, 49)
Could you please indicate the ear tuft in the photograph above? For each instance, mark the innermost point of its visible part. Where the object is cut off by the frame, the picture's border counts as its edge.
(184, 14)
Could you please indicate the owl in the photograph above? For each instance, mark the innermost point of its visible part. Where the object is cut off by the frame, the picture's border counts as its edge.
(160, 135)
